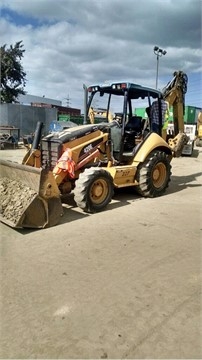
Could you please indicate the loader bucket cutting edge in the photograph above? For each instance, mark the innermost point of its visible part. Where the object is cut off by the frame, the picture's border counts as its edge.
(30, 197)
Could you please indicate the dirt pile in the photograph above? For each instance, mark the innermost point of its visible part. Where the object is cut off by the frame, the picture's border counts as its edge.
(14, 199)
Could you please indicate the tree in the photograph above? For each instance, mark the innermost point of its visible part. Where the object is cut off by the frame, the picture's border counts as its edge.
(13, 77)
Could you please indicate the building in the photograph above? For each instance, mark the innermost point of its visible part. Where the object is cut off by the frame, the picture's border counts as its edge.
(33, 99)
(42, 101)
(30, 109)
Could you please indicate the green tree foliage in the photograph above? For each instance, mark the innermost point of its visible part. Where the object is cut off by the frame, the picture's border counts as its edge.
(13, 77)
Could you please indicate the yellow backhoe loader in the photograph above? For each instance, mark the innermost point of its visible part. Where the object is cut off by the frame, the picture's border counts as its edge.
(199, 130)
(89, 160)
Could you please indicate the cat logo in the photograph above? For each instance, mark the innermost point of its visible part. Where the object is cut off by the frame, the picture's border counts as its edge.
(88, 148)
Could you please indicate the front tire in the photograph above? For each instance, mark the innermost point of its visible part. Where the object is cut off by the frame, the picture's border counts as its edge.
(153, 175)
(93, 190)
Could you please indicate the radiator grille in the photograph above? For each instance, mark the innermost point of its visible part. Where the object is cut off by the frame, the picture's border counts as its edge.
(50, 153)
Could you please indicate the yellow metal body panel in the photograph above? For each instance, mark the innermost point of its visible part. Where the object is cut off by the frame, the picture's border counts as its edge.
(32, 158)
(76, 147)
(84, 140)
(154, 141)
(123, 175)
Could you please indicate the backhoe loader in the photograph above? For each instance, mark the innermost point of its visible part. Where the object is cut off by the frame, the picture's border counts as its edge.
(90, 160)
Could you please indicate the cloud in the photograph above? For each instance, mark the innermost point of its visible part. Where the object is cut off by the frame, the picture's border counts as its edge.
(71, 42)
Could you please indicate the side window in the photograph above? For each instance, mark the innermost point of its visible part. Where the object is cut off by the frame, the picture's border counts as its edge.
(139, 107)
(99, 106)
(116, 105)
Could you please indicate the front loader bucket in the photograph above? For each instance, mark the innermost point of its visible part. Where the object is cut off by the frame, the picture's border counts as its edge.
(29, 196)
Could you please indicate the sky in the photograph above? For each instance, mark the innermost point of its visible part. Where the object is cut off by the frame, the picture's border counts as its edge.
(69, 43)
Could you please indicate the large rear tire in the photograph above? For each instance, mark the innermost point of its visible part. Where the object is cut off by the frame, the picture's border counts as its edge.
(93, 190)
(154, 175)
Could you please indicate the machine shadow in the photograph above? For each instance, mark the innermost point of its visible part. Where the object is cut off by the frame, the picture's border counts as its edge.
(122, 197)
(71, 212)
(179, 183)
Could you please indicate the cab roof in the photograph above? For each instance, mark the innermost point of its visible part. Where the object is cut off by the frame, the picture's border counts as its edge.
(118, 88)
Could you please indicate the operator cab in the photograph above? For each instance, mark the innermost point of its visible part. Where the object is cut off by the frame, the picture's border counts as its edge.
(127, 128)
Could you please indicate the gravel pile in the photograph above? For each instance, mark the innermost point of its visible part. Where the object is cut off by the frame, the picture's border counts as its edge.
(14, 199)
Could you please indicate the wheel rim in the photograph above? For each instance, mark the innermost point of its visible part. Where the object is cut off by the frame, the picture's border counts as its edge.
(159, 175)
(98, 191)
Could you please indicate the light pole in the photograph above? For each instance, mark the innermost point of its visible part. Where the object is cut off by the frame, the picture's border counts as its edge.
(158, 52)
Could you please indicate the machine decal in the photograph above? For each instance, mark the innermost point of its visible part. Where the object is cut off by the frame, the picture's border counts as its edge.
(89, 148)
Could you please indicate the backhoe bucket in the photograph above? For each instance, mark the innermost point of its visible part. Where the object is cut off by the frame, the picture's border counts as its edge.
(29, 197)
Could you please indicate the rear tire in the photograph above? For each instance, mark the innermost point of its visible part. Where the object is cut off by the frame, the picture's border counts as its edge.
(93, 190)
(154, 175)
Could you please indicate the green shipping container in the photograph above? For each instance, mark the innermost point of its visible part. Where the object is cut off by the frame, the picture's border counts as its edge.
(64, 117)
(190, 114)
(140, 112)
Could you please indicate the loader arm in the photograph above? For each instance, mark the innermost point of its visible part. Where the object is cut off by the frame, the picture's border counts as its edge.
(33, 155)
(69, 152)
(76, 155)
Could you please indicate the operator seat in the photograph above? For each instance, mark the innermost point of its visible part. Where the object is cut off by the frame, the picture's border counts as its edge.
(134, 125)
(124, 145)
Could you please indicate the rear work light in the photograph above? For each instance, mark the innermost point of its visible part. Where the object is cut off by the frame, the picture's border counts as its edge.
(93, 88)
(119, 86)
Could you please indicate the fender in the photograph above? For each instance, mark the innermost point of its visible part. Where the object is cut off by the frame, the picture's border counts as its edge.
(152, 142)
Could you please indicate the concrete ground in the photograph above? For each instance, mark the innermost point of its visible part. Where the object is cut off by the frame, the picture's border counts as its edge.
(124, 283)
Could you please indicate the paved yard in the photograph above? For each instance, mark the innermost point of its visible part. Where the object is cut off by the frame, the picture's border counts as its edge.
(124, 283)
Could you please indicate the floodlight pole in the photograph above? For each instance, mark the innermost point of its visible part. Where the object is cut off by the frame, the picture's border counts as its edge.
(158, 52)
(85, 104)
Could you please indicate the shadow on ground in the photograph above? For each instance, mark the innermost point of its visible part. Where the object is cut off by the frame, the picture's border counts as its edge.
(122, 197)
